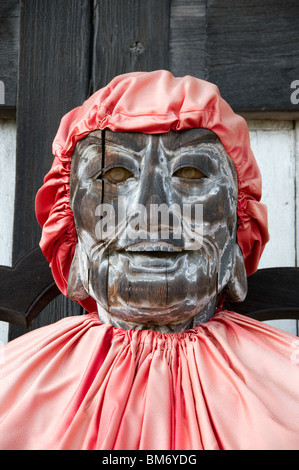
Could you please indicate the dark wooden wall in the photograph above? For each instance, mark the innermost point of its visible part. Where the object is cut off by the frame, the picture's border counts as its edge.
(54, 54)
(249, 48)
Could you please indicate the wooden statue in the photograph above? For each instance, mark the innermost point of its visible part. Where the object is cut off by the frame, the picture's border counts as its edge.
(156, 222)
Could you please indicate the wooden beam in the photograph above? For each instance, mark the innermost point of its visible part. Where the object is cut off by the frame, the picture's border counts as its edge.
(270, 115)
(53, 78)
(272, 295)
(188, 36)
(129, 35)
(32, 278)
(252, 52)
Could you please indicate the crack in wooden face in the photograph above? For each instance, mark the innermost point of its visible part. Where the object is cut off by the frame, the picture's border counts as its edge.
(147, 269)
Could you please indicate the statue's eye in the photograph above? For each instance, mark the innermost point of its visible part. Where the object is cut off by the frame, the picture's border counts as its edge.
(117, 175)
(189, 172)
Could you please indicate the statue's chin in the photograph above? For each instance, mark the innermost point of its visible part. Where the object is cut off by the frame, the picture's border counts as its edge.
(175, 320)
(160, 291)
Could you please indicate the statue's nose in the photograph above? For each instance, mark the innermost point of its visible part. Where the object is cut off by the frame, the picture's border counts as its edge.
(161, 220)
(153, 186)
(153, 189)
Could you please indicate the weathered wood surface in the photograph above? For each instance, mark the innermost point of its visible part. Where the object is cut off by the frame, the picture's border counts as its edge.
(7, 184)
(296, 151)
(188, 36)
(24, 296)
(252, 52)
(9, 45)
(54, 57)
(248, 48)
(273, 293)
(129, 35)
(273, 145)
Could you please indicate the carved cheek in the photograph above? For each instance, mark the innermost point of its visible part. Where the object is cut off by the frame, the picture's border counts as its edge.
(84, 207)
(218, 203)
(219, 208)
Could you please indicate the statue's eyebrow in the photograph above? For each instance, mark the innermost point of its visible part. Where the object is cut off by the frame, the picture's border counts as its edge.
(188, 139)
(123, 149)
(127, 141)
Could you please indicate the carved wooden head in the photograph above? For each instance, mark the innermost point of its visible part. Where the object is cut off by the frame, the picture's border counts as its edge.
(156, 218)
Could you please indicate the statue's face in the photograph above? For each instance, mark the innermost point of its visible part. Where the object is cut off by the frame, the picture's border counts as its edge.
(156, 222)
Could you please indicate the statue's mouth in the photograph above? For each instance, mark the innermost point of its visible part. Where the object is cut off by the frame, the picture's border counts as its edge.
(160, 257)
(161, 246)
(154, 262)
(154, 285)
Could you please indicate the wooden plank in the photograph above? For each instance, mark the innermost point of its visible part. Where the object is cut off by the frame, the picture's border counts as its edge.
(54, 76)
(273, 146)
(272, 294)
(36, 288)
(187, 40)
(129, 35)
(7, 186)
(9, 43)
(3, 333)
(273, 115)
(297, 197)
(296, 130)
(270, 141)
(297, 189)
(252, 52)
(59, 308)
(290, 326)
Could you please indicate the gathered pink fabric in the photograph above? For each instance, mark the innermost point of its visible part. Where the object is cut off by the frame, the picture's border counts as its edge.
(231, 383)
(149, 102)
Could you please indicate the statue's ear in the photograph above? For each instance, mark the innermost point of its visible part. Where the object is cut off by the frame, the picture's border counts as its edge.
(236, 288)
(75, 287)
